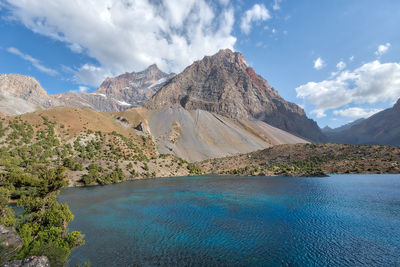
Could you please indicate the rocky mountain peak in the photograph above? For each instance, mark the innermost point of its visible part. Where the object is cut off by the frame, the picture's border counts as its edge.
(152, 67)
(226, 85)
(129, 89)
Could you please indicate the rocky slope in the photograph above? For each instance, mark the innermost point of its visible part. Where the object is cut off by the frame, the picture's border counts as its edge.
(198, 134)
(382, 128)
(226, 85)
(21, 94)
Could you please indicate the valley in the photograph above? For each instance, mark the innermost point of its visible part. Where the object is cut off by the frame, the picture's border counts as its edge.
(216, 117)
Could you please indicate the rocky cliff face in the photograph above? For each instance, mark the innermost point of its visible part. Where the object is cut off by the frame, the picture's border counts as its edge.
(382, 128)
(226, 85)
(24, 87)
(134, 88)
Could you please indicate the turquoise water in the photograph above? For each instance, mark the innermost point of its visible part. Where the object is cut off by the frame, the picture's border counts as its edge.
(344, 220)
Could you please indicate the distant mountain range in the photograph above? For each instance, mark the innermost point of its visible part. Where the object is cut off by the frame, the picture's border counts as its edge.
(380, 128)
(20, 94)
(216, 107)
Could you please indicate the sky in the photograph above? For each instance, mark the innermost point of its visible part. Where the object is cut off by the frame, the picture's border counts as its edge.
(339, 60)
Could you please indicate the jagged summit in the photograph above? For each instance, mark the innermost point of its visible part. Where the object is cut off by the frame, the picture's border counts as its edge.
(226, 85)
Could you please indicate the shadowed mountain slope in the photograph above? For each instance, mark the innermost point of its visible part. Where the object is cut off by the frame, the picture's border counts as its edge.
(381, 128)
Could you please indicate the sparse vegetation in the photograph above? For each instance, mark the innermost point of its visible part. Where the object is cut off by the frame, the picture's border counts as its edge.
(309, 160)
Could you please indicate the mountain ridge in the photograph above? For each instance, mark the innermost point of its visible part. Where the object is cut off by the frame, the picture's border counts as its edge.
(381, 128)
(115, 94)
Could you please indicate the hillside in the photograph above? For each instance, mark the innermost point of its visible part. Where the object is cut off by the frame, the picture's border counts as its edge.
(224, 84)
(309, 160)
(381, 128)
(78, 138)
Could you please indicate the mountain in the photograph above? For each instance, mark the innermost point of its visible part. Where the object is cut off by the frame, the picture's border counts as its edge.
(20, 94)
(381, 128)
(226, 85)
(326, 130)
(134, 88)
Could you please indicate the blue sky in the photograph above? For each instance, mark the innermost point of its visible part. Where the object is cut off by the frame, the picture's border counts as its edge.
(340, 60)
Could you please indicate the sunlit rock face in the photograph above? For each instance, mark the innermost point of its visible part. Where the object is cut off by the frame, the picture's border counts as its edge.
(226, 85)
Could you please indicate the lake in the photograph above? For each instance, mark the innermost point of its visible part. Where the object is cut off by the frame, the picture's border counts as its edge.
(344, 220)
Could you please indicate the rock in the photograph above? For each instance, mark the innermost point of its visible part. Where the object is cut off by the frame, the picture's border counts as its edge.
(32, 261)
(123, 120)
(10, 242)
(139, 127)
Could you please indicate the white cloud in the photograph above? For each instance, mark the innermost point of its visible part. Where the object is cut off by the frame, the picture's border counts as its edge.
(35, 62)
(276, 5)
(356, 112)
(92, 75)
(341, 65)
(81, 89)
(319, 113)
(382, 49)
(256, 13)
(351, 58)
(371, 83)
(319, 63)
(131, 35)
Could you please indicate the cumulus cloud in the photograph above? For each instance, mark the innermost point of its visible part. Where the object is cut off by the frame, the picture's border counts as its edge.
(35, 62)
(341, 65)
(356, 112)
(371, 83)
(125, 35)
(382, 49)
(256, 13)
(319, 63)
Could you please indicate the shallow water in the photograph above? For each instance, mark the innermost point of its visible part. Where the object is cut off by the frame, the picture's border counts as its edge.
(239, 221)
